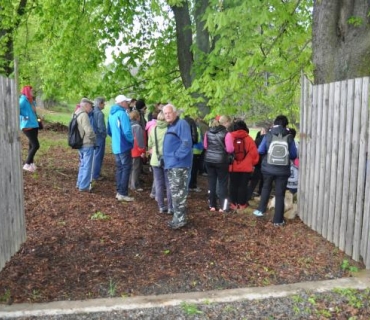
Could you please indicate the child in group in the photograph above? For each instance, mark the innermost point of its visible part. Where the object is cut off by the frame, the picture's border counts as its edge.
(138, 151)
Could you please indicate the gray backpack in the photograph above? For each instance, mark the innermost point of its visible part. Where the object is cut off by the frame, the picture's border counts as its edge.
(278, 152)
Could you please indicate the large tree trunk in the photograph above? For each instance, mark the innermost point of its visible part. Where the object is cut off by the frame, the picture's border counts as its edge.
(6, 39)
(341, 40)
(184, 42)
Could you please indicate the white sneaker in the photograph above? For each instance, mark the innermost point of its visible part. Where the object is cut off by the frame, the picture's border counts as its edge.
(33, 166)
(120, 197)
(28, 167)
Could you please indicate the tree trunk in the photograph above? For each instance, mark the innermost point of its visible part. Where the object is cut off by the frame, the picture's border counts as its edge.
(341, 40)
(184, 42)
(6, 38)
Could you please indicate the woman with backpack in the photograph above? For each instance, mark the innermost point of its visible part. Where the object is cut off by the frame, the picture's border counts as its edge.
(279, 147)
(245, 158)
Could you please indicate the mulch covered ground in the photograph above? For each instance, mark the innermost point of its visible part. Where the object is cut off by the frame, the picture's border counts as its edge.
(128, 249)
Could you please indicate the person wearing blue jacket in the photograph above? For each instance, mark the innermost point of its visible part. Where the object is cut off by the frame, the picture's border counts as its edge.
(277, 173)
(177, 154)
(29, 125)
(119, 128)
(100, 130)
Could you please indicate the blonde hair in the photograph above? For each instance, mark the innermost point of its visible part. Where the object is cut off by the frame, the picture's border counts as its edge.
(134, 115)
(214, 123)
(224, 120)
(160, 116)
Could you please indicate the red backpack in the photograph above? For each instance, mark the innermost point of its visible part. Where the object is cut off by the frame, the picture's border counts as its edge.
(239, 149)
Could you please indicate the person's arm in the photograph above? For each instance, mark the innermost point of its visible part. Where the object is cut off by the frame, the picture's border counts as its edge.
(292, 150)
(229, 143)
(140, 137)
(100, 124)
(186, 145)
(109, 131)
(205, 141)
(262, 148)
(126, 127)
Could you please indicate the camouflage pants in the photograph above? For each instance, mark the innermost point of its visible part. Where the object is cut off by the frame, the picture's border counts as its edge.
(178, 180)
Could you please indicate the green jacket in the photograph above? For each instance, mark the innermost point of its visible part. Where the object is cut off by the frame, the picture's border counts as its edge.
(160, 128)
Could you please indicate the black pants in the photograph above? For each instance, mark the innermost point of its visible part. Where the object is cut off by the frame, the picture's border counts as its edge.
(256, 179)
(280, 187)
(239, 187)
(218, 175)
(33, 143)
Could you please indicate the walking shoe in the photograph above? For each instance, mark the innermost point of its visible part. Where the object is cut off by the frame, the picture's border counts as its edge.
(152, 196)
(178, 225)
(100, 178)
(84, 190)
(243, 206)
(28, 167)
(258, 213)
(212, 209)
(33, 166)
(139, 190)
(195, 189)
(280, 224)
(163, 210)
(233, 206)
(124, 198)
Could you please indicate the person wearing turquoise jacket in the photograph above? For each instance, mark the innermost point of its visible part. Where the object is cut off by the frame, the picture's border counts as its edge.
(29, 125)
(119, 128)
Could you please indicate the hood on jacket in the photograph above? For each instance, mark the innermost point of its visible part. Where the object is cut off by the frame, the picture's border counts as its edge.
(277, 129)
(115, 108)
(217, 129)
(161, 124)
(239, 134)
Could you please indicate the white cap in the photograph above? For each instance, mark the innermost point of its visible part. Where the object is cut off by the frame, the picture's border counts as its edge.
(120, 98)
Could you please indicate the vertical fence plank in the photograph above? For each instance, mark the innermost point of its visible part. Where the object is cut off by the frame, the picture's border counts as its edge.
(327, 154)
(363, 89)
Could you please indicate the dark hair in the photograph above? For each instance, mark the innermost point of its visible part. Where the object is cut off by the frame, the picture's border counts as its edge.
(293, 132)
(281, 121)
(240, 125)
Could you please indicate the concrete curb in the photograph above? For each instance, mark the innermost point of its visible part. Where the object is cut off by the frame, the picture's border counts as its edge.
(144, 302)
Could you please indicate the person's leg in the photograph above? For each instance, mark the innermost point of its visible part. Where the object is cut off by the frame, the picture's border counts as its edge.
(194, 172)
(159, 186)
(280, 187)
(33, 144)
(168, 191)
(266, 190)
(242, 190)
(98, 157)
(223, 179)
(84, 175)
(253, 182)
(119, 173)
(135, 172)
(178, 178)
(233, 190)
(126, 161)
(212, 181)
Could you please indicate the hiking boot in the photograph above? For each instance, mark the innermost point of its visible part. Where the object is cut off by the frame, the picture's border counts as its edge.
(120, 197)
(178, 225)
(28, 167)
(258, 213)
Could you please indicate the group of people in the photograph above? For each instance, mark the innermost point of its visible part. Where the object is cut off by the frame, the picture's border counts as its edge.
(178, 149)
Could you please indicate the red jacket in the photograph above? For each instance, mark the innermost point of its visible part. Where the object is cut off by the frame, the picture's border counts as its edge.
(252, 157)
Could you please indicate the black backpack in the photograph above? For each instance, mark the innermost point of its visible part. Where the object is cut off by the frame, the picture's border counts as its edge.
(75, 141)
(193, 129)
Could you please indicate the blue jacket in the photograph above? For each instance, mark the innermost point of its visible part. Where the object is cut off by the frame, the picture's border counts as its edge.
(119, 128)
(271, 169)
(100, 128)
(177, 145)
(27, 117)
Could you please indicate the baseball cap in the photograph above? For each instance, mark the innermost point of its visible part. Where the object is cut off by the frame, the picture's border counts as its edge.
(120, 98)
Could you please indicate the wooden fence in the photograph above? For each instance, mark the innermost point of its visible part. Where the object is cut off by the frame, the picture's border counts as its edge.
(12, 218)
(334, 187)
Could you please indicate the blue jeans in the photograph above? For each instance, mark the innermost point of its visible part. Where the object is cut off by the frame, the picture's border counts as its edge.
(123, 169)
(84, 171)
(98, 156)
(162, 184)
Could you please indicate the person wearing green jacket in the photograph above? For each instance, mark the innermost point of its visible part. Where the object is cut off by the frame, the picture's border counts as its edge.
(155, 143)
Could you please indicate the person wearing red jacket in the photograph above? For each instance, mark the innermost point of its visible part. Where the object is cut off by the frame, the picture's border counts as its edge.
(245, 158)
